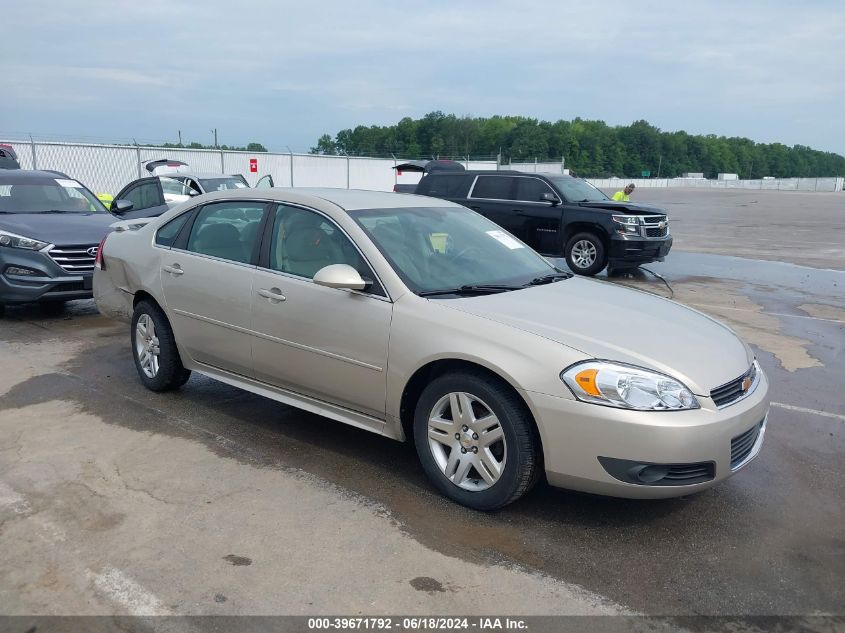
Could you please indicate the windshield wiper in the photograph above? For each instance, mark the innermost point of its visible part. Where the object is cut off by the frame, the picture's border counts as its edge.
(479, 289)
(550, 278)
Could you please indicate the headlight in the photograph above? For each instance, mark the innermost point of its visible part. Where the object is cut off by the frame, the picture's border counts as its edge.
(19, 241)
(627, 223)
(626, 387)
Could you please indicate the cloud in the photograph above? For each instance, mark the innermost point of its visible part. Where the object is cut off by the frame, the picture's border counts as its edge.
(286, 72)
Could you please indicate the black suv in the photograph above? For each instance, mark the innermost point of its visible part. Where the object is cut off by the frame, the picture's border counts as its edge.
(559, 216)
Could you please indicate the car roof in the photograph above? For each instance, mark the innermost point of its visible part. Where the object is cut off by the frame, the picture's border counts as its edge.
(193, 174)
(348, 199)
(499, 172)
(29, 175)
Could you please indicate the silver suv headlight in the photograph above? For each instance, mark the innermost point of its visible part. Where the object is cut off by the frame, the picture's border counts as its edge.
(626, 387)
(12, 240)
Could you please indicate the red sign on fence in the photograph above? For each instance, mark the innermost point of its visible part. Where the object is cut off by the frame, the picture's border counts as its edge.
(253, 165)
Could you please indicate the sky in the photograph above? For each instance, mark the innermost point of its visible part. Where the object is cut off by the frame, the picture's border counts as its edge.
(283, 73)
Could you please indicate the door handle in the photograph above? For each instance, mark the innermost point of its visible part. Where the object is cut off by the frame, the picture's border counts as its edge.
(175, 269)
(274, 294)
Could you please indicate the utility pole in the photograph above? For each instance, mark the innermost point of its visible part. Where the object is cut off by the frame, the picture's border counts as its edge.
(215, 137)
(659, 163)
(180, 138)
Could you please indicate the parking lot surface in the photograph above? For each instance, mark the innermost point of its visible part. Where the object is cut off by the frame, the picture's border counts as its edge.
(211, 500)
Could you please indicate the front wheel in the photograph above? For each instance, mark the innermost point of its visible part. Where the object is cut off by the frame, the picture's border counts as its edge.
(585, 254)
(154, 349)
(476, 440)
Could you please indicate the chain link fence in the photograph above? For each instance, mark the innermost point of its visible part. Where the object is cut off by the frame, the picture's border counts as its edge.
(108, 168)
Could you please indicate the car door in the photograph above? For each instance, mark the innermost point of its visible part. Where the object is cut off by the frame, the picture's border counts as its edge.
(207, 278)
(493, 197)
(540, 217)
(146, 196)
(265, 182)
(327, 343)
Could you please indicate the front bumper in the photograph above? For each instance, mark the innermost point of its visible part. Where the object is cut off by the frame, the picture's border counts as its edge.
(49, 283)
(626, 249)
(576, 434)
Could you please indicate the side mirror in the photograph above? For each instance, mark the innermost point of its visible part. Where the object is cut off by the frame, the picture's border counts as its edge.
(339, 276)
(193, 192)
(121, 206)
(549, 197)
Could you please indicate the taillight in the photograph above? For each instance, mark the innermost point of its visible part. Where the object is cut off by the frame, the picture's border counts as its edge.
(98, 260)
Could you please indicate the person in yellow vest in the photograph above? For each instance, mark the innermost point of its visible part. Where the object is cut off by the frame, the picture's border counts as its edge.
(106, 199)
(625, 194)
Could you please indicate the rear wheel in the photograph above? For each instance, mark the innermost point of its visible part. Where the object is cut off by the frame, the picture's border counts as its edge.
(476, 440)
(154, 349)
(585, 254)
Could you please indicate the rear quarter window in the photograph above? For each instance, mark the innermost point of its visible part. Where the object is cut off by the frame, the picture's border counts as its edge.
(446, 186)
(167, 234)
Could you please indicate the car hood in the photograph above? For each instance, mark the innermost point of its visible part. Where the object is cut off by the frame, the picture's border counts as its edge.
(60, 229)
(624, 207)
(606, 321)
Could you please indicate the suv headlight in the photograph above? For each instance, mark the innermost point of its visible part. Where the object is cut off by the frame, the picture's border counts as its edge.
(626, 387)
(627, 223)
(13, 240)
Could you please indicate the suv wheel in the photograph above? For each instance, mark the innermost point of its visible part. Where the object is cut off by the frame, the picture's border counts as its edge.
(476, 440)
(154, 349)
(585, 254)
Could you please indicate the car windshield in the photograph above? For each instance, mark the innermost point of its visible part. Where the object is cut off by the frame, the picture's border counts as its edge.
(223, 183)
(440, 248)
(577, 190)
(47, 195)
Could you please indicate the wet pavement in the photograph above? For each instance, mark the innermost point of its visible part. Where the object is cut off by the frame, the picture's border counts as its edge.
(768, 541)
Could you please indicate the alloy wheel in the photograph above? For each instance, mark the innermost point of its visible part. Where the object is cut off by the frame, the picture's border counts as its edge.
(584, 253)
(147, 346)
(467, 441)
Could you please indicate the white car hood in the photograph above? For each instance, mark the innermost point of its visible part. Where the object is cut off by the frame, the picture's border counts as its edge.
(610, 322)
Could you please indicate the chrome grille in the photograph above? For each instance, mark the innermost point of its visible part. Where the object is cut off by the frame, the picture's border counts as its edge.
(732, 391)
(741, 445)
(75, 259)
(651, 226)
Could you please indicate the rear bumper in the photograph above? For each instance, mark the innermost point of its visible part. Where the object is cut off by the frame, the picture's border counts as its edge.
(638, 250)
(583, 442)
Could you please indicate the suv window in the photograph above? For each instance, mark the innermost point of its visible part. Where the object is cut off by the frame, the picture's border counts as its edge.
(228, 230)
(449, 186)
(530, 189)
(494, 187)
(303, 242)
(144, 196)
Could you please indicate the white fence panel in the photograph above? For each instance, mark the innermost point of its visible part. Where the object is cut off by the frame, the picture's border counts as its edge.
(277, 165)
(375, 174)
(107, 168)
(319, 171)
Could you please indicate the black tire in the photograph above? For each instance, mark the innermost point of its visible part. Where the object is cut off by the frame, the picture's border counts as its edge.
(598, 263)
(523, 459)
(171, 373)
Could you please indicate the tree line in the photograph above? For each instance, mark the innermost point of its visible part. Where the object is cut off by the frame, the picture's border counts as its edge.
(589, 148)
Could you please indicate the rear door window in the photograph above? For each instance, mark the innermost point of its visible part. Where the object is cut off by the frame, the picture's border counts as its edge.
(145, 195)
(494, 188)
(228, 230)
